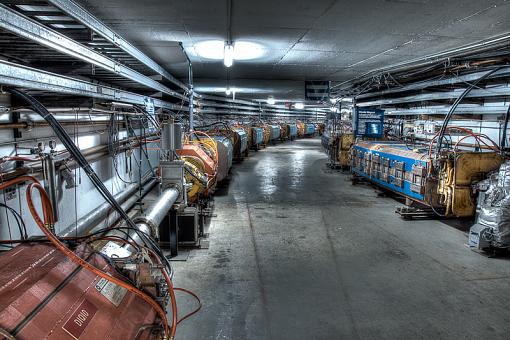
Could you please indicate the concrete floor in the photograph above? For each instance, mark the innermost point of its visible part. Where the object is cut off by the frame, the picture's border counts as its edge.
(297, 252)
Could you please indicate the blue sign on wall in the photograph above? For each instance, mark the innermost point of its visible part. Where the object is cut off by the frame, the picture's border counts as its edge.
(369, 123)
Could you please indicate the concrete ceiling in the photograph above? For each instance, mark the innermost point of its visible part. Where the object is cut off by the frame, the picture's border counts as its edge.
(304, 40)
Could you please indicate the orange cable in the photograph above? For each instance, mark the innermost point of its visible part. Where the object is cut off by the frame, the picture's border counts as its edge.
(75, 258)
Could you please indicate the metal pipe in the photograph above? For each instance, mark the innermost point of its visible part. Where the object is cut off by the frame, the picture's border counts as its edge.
(191, 92)
(149, 222)
(50, 182)
(31, 125)
(191, 123)
(156, 213)
(89, 221)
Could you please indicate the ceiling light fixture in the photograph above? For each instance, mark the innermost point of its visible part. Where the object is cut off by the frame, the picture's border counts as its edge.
(271, 101)
(228, 55)
(228, 91)
(299, 106)
(215, 50)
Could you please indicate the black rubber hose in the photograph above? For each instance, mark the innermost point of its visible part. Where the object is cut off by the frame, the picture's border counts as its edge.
(80, 159)
(456, 103)
(502, 143)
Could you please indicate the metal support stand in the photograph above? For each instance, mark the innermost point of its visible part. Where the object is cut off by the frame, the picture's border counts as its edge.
(410, 213)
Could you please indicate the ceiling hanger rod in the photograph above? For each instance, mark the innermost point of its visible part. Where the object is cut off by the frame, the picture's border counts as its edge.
(229, 22)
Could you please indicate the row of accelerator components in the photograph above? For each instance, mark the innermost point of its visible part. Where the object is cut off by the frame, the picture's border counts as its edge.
(259, 135)
(108, 276)
(207, 155)
(116, 281)
(459, 182)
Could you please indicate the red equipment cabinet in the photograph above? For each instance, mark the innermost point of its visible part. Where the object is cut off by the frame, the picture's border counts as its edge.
(45, 295)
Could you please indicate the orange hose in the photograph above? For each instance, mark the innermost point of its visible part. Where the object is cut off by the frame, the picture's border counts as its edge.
(471, 133)
(75, 258)
(478, 139)
(18, 180)
(194, 311)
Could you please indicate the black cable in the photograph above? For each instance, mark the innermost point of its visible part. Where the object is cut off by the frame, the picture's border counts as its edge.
(84, 164)
(456, 103)
(502, 143)
(145, 150)
(148, 116)
(113, 140)
(19, 221)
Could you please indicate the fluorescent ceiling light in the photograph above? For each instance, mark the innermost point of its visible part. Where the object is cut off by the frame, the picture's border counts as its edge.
(215, 50)
(271, 101)
(299, 106)
(228, 56)
(222, 89)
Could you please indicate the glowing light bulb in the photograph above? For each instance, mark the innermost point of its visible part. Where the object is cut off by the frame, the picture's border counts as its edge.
(228, 91)
(271, 101)
(228, 57)
(299, 106)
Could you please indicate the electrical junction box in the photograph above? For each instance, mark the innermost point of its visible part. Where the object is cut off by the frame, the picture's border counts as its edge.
(430, 127)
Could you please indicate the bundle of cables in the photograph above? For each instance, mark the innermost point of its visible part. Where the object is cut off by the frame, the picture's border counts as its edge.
(46, 223)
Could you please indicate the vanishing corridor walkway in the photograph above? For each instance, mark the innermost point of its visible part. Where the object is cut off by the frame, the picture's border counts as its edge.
(297, 252)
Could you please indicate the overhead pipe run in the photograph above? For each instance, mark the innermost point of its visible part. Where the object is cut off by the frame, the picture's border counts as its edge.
(478, 47)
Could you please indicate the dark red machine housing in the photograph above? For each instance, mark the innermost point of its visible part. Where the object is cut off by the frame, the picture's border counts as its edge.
(45, 295)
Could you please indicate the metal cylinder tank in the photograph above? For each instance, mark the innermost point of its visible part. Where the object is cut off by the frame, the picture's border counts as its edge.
(240, 143)
(309, 129)
(292, 130)
(225, 155)
(275, 132)
(257, 136)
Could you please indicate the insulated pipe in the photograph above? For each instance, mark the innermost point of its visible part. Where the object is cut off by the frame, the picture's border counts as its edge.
(96, 216)
(149, 222)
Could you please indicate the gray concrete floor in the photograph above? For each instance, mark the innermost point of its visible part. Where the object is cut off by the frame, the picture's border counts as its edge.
(297, 252)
